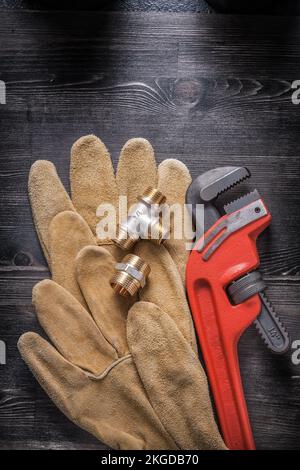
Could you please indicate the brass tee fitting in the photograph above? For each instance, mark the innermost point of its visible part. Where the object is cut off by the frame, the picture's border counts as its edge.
(143, 221)
(130, 276)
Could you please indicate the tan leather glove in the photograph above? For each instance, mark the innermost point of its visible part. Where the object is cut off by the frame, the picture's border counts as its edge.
(91, 375)
(93, 182)
(66, 374)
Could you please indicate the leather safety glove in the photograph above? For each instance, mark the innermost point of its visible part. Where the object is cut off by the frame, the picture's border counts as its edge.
(63, 236)
(150, 395)
(93, 182)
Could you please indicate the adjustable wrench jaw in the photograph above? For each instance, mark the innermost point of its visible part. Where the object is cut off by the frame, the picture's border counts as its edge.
(206, 188)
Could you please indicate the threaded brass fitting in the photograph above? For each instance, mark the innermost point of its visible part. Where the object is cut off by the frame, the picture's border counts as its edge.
(125, 240)
(153, 196)
(130, 276)
(141, 222)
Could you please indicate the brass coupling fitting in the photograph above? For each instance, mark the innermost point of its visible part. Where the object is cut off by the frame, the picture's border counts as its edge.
(131, 275)
(143, 221)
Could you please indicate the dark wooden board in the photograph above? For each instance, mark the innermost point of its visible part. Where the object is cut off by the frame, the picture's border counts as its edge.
(207, 89)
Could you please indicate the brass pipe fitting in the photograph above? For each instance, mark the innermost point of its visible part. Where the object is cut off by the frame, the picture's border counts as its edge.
(130, 276)
(143, 221)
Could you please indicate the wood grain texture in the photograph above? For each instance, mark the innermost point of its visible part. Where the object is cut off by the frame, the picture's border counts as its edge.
(110, 5)
(209, 90)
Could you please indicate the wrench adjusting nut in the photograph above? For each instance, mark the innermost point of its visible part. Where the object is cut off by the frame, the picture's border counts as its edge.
(131, 274)
(245, 287)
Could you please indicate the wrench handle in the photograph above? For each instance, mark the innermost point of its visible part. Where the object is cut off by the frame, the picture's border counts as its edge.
(220, 324)
(223, 373)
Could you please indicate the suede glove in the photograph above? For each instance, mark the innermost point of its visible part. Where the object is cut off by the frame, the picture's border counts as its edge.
(134, 386)
(62, 237)
(93, 182)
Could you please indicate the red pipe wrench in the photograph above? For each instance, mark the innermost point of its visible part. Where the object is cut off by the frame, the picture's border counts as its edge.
(225, 294)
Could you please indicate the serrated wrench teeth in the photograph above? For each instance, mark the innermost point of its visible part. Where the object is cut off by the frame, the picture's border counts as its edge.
(241, 202)
(217, 181)
(271, 328)
(208, 186)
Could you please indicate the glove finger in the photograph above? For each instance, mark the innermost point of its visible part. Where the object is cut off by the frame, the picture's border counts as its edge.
(47, 197)
(69, 233)
(109, 408)
(95, 268)
(174, 179)
(164, 288)
(71, 328)
(92, 178)
(136, 169)
(58, 377)
(173, 378)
